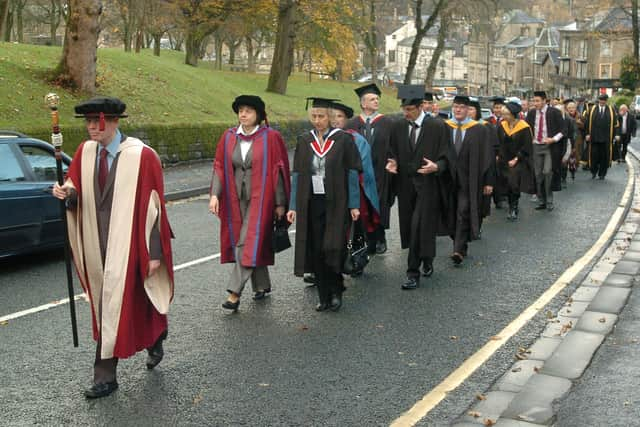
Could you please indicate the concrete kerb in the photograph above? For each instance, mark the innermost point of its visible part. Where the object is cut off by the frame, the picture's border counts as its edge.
(565, 343)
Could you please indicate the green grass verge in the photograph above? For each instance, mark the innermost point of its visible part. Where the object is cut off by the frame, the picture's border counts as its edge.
(158, 90)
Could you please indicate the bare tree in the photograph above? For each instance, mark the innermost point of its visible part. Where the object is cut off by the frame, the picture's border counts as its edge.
(442, 34)
(77, 67)
(51, 13)
(4, 14)
(282, 63)
(421, 31)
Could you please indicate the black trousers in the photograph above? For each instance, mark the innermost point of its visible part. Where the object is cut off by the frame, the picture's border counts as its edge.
(328, 282)
(414, 259)
(624, 141)
(599, 158)
(463, 222)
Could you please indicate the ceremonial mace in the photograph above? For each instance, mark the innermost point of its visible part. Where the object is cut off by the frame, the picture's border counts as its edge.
(52, 100)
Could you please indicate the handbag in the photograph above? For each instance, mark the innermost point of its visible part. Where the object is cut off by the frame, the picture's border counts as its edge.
(357, 253)
(280, 240)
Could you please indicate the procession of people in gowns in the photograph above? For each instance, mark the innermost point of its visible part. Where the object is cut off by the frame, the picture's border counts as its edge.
(441, 171)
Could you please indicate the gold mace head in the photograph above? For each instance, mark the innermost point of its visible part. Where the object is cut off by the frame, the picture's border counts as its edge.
(52, 100)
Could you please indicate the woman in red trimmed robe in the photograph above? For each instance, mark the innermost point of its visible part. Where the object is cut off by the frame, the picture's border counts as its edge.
(249, 191)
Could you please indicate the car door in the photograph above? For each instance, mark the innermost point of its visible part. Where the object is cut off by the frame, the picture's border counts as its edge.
(41, 162)
(20, 216)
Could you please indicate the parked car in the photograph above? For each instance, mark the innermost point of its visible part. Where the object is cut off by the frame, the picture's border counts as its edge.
(635, 106)
(30, 217)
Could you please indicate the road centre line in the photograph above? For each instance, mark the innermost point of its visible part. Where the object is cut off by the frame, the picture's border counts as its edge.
(419, 410)
(57, 303)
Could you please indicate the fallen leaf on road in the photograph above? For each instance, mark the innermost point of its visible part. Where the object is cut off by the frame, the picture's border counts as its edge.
(602, 320)
(4, 322)
(197, 399)
(264, 385)
(453, 337)
(481, 396)
(474, 414)
(518, 369)
(489, 422)
(521, 356)
(303, 328)
(549, 314)
(566, 327)
(536, 369)
(495, 338)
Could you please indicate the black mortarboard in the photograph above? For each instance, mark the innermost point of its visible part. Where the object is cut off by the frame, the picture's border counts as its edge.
(461, 99)
(568, 100)
(540, 93)
(428, 96)
(497, 100)
(252, 101)
(410, 94)
(603, 97)
(370, 88)
(514, 108)
(580, 99)
(348, 111)
(103, 106)
(319, 102)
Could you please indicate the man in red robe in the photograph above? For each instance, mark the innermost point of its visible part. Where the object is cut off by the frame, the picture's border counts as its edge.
(120, 239)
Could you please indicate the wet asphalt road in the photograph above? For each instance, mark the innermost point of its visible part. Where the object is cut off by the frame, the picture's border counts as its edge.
(279, 362)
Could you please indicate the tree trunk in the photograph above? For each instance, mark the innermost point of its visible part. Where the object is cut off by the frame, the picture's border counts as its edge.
(420, 33)
(218, 44)
(139, 40)
(192, 46)
(19, 23)
(636, 33)
(4, 14)
(339, 70)
(251, 62)
(127, 39)
(8, 25)
(156, 44)
(78, 64)
(282, 63)
(442, 33)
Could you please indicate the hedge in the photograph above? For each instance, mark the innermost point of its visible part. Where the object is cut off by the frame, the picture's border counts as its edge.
(176, 143)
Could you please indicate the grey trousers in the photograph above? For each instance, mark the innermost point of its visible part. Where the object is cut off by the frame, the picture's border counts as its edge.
(543, 171)
(260, 280)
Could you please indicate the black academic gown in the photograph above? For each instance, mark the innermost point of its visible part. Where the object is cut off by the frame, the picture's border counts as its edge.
(380, 152)
(474, 170)
(516, 142)
(342, 157)
(430, 194)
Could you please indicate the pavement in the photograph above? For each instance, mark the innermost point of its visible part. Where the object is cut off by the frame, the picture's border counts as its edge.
(583, 368)
(278, 362)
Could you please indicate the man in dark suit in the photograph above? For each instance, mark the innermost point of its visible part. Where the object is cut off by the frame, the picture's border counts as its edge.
(601, 122)
(548, 130)
(422, 164)
(626, 131)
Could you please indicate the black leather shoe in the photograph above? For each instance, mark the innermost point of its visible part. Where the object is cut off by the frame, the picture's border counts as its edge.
(260, 295)
(457, 258)
(411, 283)
(593, 176)
(231, 305)
(309, 278)
(549, 206)
(541, 207)
(381, 247)
(155, 356)
(336, 302)
(427, 271)
(601, 177)
(323, 306)
(101, 390)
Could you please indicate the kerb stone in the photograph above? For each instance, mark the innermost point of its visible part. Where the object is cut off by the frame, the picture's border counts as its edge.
(573, 355)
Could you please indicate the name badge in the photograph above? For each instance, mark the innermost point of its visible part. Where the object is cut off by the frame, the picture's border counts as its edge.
(318, 184)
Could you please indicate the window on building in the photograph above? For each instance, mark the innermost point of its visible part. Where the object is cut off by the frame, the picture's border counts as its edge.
(605, 48)
(392, 56)
(605, 71)
(564, 68)
(581, 71)
(393, 37)
(566, 47)
(465, 76)
(583, 49)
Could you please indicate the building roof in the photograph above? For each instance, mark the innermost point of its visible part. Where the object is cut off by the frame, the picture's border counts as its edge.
(520, 42)
(518, 16)
(431, 42)
(549, 37)
(616, 20)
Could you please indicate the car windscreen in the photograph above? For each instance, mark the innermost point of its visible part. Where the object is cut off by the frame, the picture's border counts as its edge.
(42, 162)
(10, 170)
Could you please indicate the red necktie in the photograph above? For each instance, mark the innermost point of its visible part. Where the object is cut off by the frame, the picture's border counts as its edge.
(540, 126)
(103, 170)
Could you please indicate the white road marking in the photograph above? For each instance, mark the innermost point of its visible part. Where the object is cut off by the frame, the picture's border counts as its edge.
(469, 366)
(57, 303)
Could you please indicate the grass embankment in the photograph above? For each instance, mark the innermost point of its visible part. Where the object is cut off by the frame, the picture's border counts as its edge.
(157, 90)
